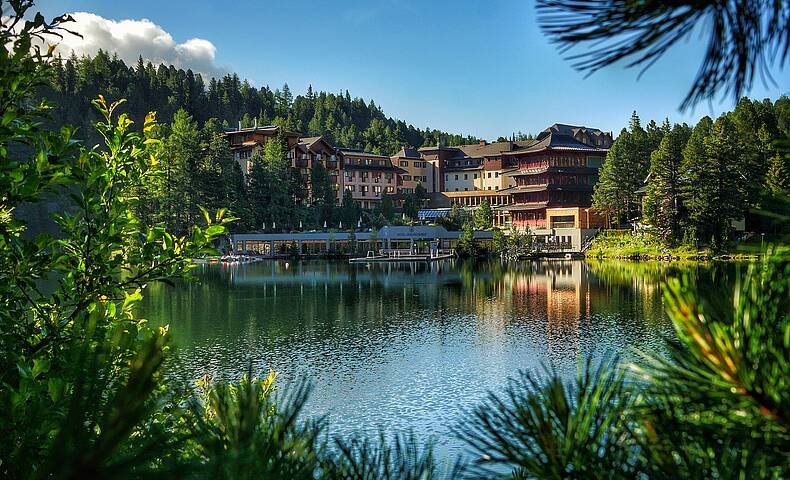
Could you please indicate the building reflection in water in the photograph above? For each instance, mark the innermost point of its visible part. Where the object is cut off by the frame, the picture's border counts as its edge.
(405, 346)
(553, 302)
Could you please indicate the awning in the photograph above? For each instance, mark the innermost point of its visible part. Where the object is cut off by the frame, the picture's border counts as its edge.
(433, 213)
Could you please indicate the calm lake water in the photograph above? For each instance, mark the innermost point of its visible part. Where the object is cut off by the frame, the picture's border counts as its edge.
(411, 346)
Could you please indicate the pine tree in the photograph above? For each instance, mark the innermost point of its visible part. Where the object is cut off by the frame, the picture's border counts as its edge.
(350, 211)
(777, 181)
(323, 194)
(259, 195)
(386, 209)
(623, 173)
(181, 157)
(714, 190)
(662, 205)
(484, 216)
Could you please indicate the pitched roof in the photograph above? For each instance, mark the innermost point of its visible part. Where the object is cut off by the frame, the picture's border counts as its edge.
(306, 144)
(407, 152)
(486, 149)
(354, 152)
(571, 130)
(557, 141)
(309, 140)
(265, 129)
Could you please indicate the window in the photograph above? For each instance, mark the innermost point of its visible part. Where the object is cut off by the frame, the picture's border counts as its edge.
(489, 174)
(377, 189)
(404, 163)
(389, 178)
(456, 189)
(390, 189)
(317, 157)
(406, 178)
(245, 154)
(466, 176)
(456, 177)
(497, 174)
(418, 164)
(475, 176)
(466, 189)
(333, 158)
(447, 178)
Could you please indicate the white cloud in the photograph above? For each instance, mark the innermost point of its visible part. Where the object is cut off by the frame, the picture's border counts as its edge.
(133, 38)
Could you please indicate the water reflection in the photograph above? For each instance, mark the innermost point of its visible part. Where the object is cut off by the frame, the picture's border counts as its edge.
(409, 346)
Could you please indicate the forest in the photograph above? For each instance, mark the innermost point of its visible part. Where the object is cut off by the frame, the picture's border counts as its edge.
(687, 184)
(341, 119)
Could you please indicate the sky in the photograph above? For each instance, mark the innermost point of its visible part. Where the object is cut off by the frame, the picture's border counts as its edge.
(474, 67)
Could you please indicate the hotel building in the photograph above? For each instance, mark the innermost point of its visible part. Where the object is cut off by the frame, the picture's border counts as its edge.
(368, 176)
(417, 171)
(247, 143)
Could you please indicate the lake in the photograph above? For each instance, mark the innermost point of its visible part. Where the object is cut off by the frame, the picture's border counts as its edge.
(411, 346)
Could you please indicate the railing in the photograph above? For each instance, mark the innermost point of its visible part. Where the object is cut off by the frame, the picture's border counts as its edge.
(563, 225)
(588, 242)
(552, 247)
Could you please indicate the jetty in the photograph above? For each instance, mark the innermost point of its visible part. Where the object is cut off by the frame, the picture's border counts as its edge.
(390, 243)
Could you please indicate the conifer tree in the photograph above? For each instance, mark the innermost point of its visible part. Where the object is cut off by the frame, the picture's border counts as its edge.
(181, 162)
(386, 209)
(323, 194)
(714, 193)
(623, 173)
(484, 216)
(777, 181)
(662, 205)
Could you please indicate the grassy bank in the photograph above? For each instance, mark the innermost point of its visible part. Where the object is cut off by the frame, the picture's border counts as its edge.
(624, 245)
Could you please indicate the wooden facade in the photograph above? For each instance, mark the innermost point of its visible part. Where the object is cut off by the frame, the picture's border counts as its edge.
(559, 170)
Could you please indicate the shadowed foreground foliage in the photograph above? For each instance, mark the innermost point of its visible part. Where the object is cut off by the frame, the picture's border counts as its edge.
(81, 378)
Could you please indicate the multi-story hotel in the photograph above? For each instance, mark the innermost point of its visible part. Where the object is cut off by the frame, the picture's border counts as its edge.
(559, 169)
(554, 180)
(368, 176)
(247, 143)
(468, 168)
(417, 171)
(544, 184)
(312, 150)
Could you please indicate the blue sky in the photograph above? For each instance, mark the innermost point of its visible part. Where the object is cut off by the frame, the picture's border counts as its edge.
(473, 67)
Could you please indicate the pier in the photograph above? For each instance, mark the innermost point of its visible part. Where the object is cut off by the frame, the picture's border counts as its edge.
(391, 243)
